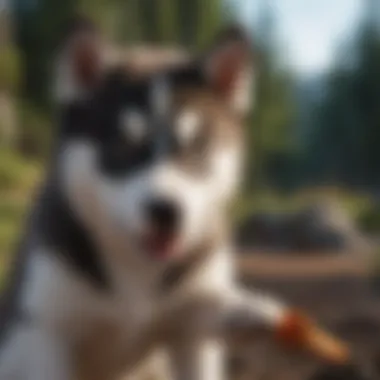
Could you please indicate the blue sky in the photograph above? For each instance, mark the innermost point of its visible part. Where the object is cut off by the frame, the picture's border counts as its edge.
(309, 30)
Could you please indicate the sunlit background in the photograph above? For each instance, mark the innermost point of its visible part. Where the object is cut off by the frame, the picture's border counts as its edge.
(311, 201)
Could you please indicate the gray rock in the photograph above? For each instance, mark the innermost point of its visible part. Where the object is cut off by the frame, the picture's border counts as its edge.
(321, 227)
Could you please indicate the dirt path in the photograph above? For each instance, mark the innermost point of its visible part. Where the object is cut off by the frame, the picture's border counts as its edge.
(301, 266)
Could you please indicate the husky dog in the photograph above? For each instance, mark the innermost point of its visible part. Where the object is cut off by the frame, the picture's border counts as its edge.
(127, 250)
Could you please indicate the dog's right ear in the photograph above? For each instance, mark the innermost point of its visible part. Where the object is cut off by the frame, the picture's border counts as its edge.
(229, 68)
(81, 61)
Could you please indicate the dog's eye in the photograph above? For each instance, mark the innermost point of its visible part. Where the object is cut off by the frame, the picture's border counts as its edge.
(188, 127)
(191, 134)
(134, 125)
(192, 140)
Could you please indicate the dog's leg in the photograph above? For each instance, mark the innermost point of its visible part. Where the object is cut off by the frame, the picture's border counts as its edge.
(238, 316)
(197, 359)
(196, 348)
(246, 314)
(156, 366)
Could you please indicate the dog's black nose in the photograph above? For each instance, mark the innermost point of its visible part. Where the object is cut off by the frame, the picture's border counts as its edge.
(163, 213)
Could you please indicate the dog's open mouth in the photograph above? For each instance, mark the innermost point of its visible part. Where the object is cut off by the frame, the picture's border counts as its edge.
(161, 243)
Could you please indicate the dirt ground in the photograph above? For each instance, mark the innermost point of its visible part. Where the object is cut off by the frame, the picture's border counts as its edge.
(337, 290)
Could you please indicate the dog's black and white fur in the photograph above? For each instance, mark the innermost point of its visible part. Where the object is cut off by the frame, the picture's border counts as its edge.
(127, 249)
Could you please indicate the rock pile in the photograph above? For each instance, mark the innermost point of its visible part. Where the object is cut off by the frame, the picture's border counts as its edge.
(321, 227)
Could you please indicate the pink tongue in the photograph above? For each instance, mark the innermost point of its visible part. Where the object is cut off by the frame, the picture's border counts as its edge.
(161, 245)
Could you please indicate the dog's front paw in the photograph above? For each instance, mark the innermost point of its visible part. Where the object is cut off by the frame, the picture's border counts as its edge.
(346, 372)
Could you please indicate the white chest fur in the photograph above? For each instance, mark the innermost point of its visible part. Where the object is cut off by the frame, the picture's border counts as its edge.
(111, 331)
(62, 299)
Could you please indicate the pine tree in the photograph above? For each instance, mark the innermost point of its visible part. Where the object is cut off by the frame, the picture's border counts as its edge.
(272, 118)
(344, 145)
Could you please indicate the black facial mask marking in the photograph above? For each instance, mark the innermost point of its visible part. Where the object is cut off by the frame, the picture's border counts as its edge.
(98, 121)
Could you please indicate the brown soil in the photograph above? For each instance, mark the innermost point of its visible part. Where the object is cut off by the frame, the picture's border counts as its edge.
(300, 266)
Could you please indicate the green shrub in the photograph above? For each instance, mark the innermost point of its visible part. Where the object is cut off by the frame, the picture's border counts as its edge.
(35, 131)
(16, 173)
(369, 221)
(8, 236)
(10, 68)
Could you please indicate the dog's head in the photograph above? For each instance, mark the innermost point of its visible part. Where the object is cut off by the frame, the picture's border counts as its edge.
(158, 155)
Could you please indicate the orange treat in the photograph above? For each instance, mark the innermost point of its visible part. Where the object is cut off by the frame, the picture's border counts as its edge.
(299, 332)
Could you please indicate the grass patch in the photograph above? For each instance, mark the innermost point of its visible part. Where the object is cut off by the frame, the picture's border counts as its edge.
(11, 222)
(18, 179)
(17, 174)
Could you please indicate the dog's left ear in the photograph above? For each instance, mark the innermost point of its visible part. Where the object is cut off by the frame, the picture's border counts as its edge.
(81, 61)
(228, 67)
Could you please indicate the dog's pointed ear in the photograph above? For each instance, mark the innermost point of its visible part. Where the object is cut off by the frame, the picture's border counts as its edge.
(228, 67)
(80, 61)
